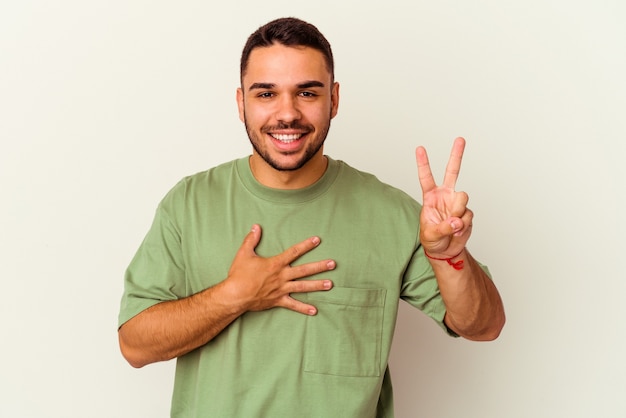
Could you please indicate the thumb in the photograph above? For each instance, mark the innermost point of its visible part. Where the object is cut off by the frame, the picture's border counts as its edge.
(452, 225)
(252, 239)
(442, 231)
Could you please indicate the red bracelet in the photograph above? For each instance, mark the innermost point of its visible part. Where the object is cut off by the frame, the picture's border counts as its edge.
(457, 266)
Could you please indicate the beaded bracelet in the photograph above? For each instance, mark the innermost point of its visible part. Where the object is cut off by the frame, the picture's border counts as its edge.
(456, 265)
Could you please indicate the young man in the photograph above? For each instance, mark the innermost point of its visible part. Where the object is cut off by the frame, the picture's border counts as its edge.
(299, 322)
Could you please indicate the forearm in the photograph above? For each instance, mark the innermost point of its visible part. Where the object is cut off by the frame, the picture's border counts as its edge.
(474, 309)
(173, 328)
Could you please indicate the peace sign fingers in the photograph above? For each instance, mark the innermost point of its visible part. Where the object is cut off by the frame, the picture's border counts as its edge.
(427, 182)
(454, 163)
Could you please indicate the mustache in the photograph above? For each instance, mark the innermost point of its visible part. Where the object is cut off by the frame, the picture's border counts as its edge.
(293, 125)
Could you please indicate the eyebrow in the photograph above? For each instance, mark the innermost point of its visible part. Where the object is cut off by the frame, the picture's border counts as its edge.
(303, 85)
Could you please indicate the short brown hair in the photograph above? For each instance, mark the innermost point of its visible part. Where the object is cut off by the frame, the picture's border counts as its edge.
(288, 31)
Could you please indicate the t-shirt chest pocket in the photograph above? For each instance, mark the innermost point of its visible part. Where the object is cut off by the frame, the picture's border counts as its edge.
(345, 337)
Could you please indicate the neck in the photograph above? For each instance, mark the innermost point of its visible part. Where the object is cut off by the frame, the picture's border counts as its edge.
(303, 177)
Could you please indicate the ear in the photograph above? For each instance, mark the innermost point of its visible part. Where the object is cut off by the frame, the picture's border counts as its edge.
(240, 104)
(334, 98)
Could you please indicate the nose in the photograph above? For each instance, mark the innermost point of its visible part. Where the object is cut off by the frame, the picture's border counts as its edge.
(287, 110)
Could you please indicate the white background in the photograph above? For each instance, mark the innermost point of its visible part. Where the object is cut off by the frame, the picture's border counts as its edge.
(104, 105)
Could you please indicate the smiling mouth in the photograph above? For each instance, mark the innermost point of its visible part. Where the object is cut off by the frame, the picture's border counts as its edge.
(286, 139)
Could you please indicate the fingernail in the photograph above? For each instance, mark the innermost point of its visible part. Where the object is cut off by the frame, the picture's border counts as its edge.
(328, 284)
(312, 311)
(331, 265)
(315, 240)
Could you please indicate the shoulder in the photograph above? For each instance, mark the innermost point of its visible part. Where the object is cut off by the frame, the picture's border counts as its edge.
(197, 186)
(367, 186)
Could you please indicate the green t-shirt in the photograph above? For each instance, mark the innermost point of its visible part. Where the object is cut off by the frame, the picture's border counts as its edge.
(279, 363)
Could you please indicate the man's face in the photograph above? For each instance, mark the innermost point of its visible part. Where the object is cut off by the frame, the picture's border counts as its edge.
(286, 101)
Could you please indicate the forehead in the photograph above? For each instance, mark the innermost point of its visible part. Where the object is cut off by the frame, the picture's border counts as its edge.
(280, 64)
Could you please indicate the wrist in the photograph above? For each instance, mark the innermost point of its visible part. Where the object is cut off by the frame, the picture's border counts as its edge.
(228, 295)
(453, 261)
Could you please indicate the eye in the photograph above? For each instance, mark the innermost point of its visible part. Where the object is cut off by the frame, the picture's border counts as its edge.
(265, 95)
(308, 94)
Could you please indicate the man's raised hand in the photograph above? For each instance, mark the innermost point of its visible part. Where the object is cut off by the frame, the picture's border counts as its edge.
(445, 220)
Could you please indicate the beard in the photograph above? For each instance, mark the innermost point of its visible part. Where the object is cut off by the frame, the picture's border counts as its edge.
(312, 149)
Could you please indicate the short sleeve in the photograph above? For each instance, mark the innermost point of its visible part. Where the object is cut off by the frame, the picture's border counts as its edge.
(421, 290)
(157, 271)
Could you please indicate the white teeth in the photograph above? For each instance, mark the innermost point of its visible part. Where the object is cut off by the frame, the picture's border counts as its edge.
(287, 138)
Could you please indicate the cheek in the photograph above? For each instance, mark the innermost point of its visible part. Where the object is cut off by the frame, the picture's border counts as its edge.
(255, 115)
(321, 116)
